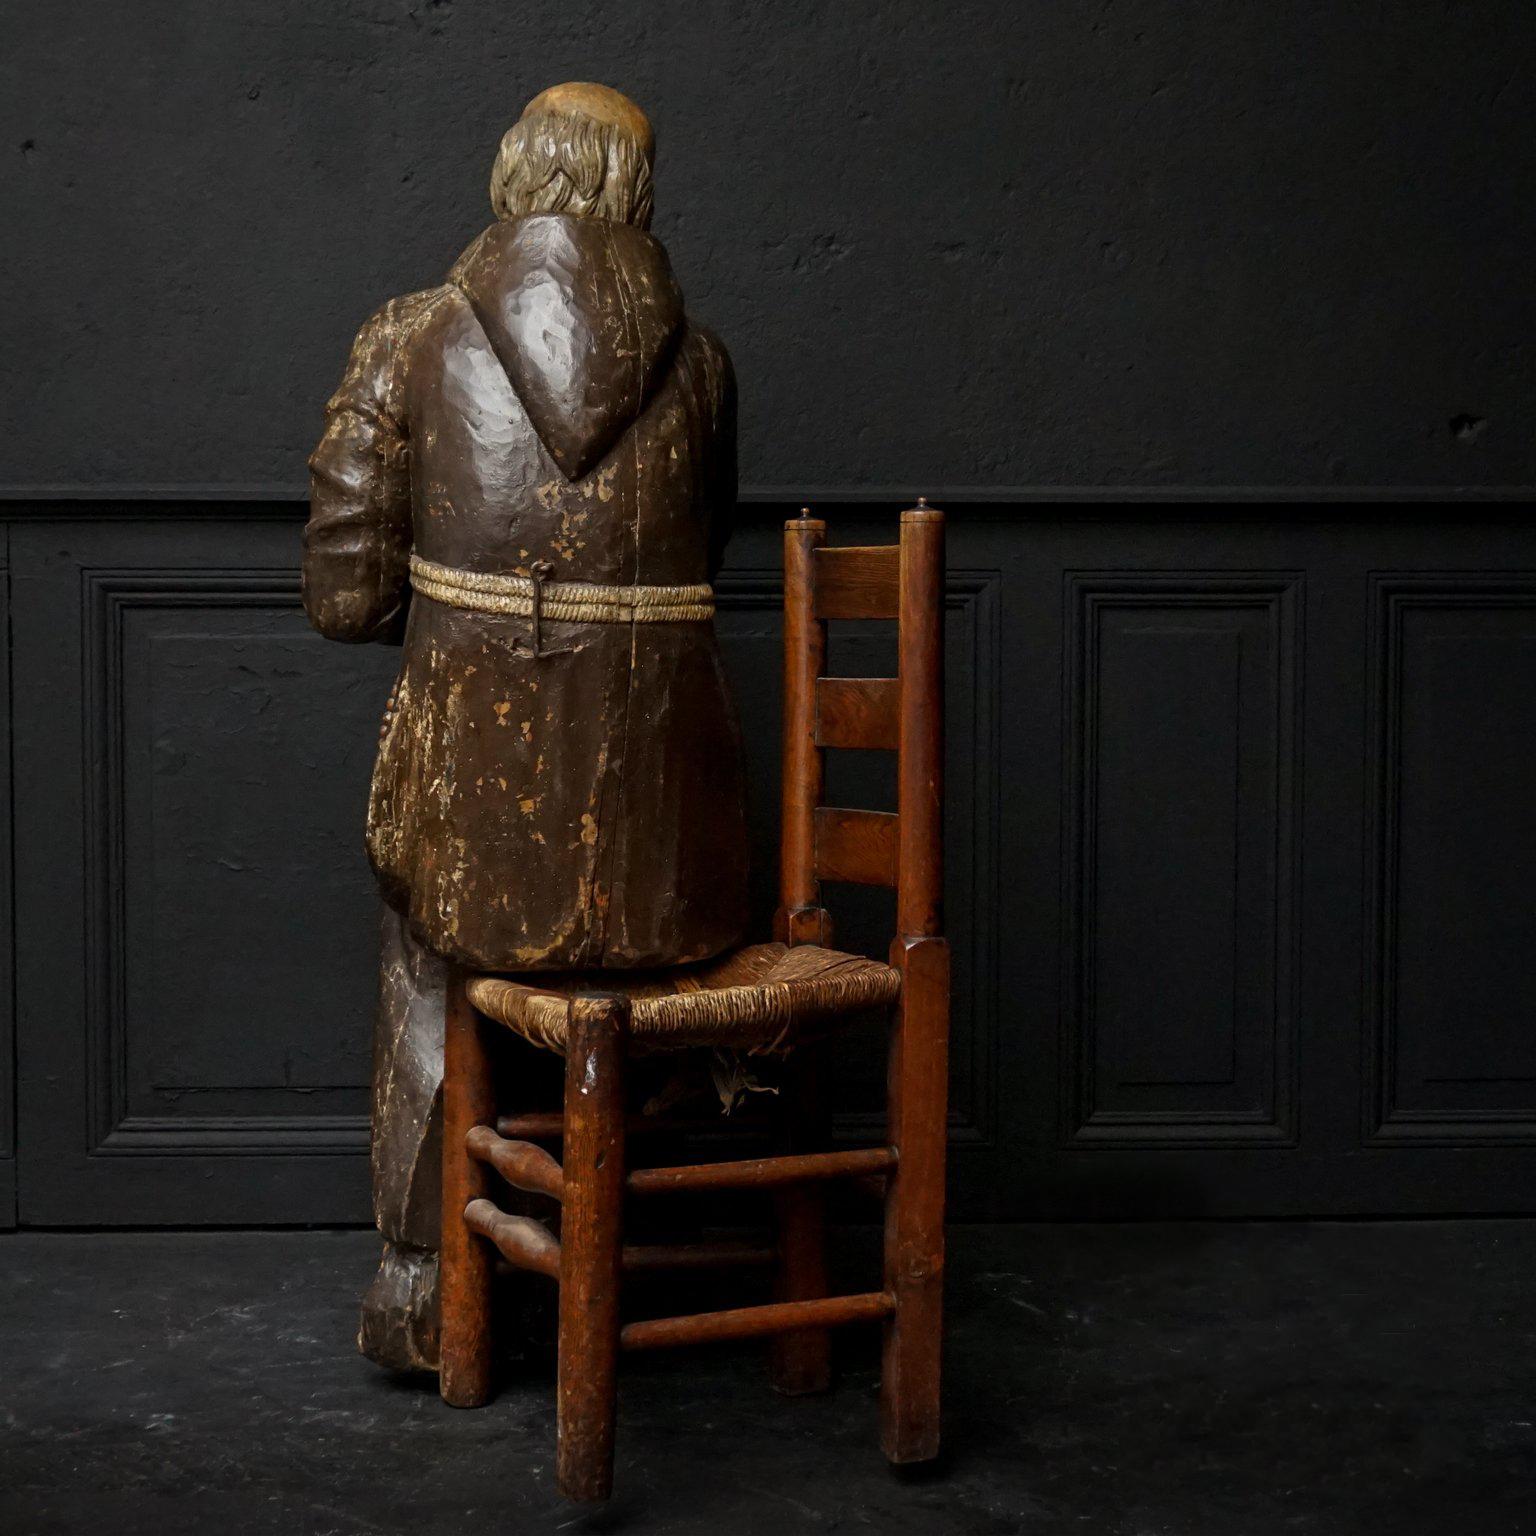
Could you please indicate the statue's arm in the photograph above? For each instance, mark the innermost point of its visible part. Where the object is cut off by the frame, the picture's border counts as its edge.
(357, 543)
(721, 489)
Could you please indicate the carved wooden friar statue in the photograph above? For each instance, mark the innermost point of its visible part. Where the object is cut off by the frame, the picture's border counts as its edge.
(526, 478)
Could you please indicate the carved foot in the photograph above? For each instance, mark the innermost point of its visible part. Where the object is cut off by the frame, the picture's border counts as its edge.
(398, 1329)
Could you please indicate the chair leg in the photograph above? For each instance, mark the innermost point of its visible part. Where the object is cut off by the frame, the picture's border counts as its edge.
(465, 1265)
(802, 1362)
(914, 1209)
(591, 1237)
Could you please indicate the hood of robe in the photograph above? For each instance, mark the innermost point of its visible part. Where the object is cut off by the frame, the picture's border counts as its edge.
(582, 314)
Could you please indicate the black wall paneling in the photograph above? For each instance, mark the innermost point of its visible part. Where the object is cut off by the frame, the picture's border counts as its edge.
(1293, 945)
(1240, 845)
(7, 948)
(1451, 851)
(1181, 801)
(194, 1012)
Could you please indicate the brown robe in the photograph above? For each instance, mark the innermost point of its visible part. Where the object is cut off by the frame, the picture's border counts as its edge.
(551, 402)
(580, 808)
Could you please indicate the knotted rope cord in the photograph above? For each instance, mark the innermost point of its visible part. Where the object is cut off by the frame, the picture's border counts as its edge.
(571, 602)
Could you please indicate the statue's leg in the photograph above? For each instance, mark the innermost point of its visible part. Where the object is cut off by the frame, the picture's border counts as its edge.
(399, 1318)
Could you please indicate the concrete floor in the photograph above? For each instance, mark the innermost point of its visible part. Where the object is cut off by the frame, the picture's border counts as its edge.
(1235, 1380)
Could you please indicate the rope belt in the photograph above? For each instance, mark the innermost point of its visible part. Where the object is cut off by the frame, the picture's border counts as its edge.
(571, 602)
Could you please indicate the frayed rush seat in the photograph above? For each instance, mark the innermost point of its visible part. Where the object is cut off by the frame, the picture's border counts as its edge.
(759, 999)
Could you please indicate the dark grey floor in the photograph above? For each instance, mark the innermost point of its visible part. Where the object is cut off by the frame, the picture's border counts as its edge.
(1119, 1381)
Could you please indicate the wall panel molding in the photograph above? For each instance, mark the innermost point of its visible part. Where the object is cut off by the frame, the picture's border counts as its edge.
(1450, 1056)
(109, 599)
(8, 1160)
(1182, 776)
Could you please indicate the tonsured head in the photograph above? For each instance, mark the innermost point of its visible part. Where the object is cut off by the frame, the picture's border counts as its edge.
(581, 149)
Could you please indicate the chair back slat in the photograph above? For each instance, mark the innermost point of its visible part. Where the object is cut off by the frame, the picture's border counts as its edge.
(858, 712)
(858, 581)
(859, 847)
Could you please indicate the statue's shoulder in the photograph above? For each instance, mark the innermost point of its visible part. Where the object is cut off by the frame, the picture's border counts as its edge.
(376, 366)
(391, 326)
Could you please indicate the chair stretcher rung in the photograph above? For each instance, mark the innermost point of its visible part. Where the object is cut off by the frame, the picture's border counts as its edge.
(527, 1244)
(763, 1172)
(520, 1163)
(719, 1255)
(520, 1240)
(550, 1125)
(752, 1322)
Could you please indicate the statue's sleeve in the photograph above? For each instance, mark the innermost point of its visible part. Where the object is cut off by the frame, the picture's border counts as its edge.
(357, 543)
(721, 495)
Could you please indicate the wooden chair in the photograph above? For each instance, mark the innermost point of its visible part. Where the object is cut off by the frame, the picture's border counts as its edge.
(765, 997)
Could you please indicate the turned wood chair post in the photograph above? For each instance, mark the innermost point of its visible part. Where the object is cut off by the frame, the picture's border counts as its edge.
(918, 1067)
(801, 1362)
(466, 1263)
(591, 1245)
(800, 916)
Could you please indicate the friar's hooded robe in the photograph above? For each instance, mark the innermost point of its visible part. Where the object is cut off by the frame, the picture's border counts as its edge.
(571, 799)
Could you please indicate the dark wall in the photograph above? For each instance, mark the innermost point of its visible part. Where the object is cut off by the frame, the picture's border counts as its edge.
(982, 245)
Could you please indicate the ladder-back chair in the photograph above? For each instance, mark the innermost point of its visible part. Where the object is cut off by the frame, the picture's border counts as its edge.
(763, 997)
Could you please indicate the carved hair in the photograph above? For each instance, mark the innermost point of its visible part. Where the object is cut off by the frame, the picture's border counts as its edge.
(566, 162)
